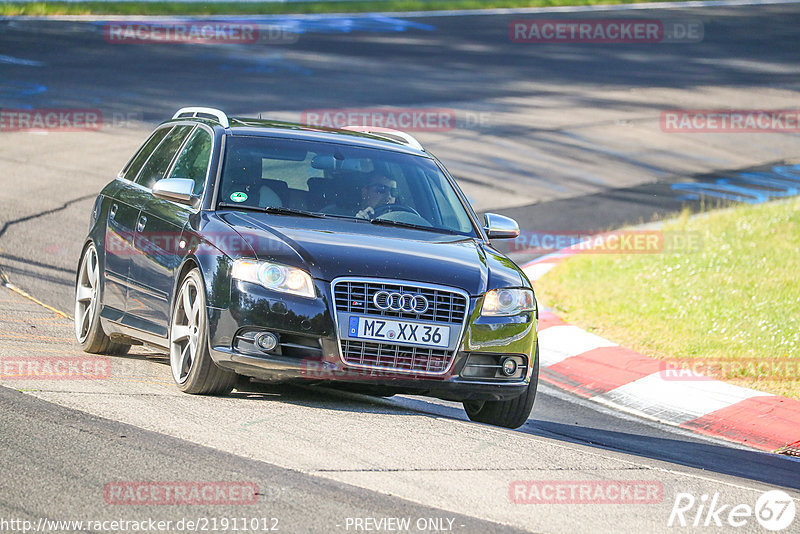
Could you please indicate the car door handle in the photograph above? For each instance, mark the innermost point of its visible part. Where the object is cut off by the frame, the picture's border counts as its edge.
(112, 211)
(142, 223)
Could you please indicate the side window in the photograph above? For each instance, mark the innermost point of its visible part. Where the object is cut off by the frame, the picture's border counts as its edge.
(194, 159)
(159, 162)
(135, 165)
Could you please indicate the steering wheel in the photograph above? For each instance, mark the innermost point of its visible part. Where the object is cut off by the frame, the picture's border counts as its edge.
(386, 208)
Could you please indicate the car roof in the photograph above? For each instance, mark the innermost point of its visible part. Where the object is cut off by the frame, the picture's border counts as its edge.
(243, 126)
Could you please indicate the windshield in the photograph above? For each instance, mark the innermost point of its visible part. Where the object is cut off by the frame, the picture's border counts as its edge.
(340, 181)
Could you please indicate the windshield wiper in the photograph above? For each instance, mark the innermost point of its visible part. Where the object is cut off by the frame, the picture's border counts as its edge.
(388, 222)
(346, 217)
(275, 210)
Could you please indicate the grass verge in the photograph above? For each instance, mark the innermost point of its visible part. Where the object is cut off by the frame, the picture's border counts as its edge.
(275, 8)
(730, 309)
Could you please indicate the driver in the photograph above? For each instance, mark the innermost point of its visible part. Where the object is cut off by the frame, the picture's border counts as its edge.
(378, 191)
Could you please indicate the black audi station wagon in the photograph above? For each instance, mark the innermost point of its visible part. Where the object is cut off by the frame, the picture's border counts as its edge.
(281, 252)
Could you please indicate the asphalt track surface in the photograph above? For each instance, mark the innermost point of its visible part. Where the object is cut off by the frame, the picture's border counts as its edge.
(570, 141)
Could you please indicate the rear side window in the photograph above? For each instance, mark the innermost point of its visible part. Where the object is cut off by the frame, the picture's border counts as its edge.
(294, 173)
(159, 162)
(194, 159)
(135, 165)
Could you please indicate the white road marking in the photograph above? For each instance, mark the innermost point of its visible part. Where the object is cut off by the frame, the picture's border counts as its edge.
(558, 343)
(11, 60)
(677, 401)
(536, 271)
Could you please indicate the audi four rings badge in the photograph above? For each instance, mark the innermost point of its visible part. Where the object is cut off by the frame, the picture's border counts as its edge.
(404, 302)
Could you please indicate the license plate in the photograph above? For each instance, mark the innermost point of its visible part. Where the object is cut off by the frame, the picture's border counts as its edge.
(399, 332)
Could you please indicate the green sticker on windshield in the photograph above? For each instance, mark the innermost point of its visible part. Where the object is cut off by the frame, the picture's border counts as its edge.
(238, 196)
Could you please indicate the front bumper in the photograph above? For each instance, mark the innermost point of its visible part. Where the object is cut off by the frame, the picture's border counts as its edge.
(310, 350)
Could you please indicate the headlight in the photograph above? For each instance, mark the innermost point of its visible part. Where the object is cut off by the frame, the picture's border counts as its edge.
(275, 277)
(500, 302)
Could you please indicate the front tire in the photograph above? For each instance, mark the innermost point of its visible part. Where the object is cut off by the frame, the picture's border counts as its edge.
(192, 367)
(509, 413)
(88, 330)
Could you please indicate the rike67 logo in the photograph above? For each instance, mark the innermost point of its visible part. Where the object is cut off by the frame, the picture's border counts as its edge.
(774, 510)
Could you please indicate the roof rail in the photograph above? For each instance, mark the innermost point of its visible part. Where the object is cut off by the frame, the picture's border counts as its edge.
(389, 133)
(200, 111)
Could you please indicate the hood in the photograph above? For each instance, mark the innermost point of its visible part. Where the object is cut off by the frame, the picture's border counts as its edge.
(331, 248)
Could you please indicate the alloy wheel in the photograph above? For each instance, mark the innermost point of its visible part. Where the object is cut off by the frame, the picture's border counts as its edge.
(185, 332)
(86, 294)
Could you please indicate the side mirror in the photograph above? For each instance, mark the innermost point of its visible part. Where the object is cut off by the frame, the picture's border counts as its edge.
(500, 227)
(177, 189)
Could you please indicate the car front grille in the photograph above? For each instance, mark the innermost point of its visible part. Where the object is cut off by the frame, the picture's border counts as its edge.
(355, 296)
(396, 357)
(444, 306)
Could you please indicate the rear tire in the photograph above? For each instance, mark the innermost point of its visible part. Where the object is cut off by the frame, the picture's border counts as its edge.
(509, 413)
(189, 358)
(88, 330)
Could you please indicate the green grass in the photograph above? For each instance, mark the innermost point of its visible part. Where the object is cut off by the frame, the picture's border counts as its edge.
(274, 8)
(731, 307)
